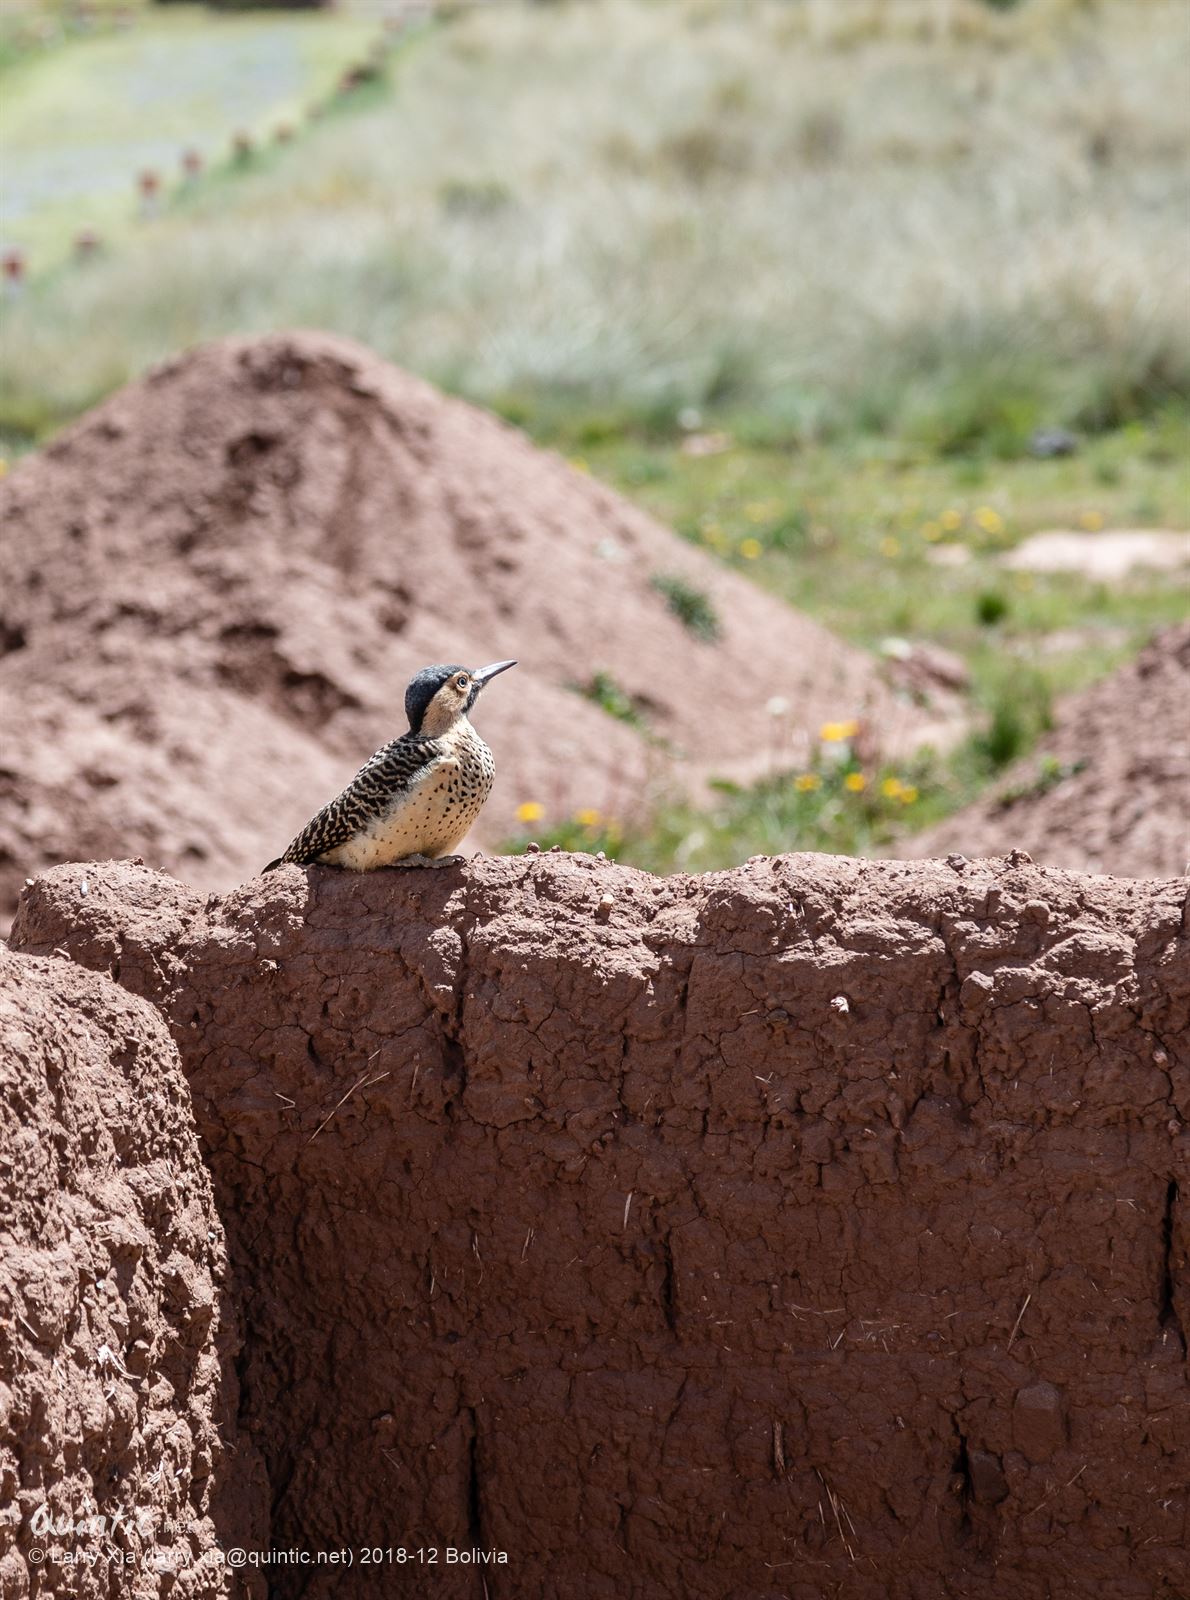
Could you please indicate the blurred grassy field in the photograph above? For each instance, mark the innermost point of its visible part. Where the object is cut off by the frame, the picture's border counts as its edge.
(84, 114)
(872, 254)
(633, 208)
(868, 537)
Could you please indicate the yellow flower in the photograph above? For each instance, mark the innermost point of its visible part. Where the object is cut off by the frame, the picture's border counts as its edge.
(931, 531)
(530, 811)
(579, 464)
(890, 547)
(988, 520)
(750, 549)
(807, 782)
(588, 819)
(908, 795)
(856, 782)
(836, 732)
(951, 520)
(756, 511)
(1092, 521)
(891, 788)
(3, 467)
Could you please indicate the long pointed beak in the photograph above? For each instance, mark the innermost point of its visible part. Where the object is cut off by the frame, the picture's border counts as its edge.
(484, 673)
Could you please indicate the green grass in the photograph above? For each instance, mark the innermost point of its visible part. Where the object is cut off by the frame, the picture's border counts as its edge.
(693, 609)
(79, 121)
(827, 219)
(851, 532)
(33, 28)
(835, 802)
(846, 531)
(602, 690)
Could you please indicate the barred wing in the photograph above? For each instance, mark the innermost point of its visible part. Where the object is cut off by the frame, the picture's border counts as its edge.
(380, 781)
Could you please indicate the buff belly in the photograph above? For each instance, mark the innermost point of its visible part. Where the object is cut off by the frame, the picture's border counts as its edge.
(427, 821)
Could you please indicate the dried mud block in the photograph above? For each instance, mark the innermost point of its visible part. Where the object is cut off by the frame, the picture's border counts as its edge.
(121, 1466)
(608, 1239)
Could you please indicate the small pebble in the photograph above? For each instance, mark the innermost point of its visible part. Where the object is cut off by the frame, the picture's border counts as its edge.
(532, 848)
(84, 886)
(1019, 858)
(956, 863)
(606, 902)
(839, 1003)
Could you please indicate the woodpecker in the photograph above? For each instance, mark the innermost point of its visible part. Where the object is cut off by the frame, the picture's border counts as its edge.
(417, 796)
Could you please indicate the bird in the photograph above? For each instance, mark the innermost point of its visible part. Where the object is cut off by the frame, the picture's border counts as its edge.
(418, 795)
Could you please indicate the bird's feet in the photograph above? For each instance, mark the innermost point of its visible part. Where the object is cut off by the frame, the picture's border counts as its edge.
(429, 861)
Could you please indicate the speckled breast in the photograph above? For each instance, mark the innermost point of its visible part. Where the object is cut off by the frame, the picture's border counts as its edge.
(431, 818)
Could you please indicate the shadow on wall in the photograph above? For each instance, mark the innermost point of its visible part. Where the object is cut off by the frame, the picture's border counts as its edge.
(120, 1455)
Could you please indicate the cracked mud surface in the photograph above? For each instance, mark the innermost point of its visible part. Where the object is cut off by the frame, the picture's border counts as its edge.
(813, 1229)
(118, 1337)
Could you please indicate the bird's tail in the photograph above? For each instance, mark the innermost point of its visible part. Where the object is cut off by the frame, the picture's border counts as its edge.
(273, 865)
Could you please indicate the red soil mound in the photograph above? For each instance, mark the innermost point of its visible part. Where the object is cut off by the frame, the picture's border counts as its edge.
(1109, 790)
(118, 1392)
(219, 583)
(817, 1228)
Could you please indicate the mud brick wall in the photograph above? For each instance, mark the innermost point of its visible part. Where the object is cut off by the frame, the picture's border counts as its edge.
(813, 1229)
(121, 1467)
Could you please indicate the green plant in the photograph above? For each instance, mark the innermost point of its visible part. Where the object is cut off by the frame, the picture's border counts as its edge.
(587, 831)
(1020, 711)
(833, 806)
(990, 607)
(1050, 773)
(603, 690)
(691, 606)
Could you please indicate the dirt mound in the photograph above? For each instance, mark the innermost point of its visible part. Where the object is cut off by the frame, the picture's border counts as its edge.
(813, 1228)
(120, 1461)
(220, 581)
(1108, 790)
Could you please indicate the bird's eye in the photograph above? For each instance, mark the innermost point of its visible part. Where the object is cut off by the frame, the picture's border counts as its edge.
(461, 681)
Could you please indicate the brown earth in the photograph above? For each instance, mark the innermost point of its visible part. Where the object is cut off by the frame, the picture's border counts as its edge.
(812, 1229)
(118, 1390)
(219, 582)
(1108, 791)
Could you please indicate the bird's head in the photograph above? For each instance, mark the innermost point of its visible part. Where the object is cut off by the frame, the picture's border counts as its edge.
(438, 696)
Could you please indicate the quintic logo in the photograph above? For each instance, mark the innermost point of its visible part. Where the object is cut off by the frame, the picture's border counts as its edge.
(44, 1524)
